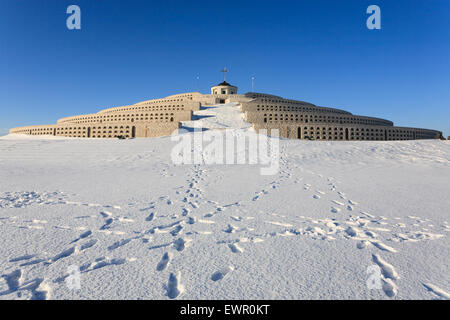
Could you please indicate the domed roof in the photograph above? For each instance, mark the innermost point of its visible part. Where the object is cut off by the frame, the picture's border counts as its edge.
(225, 84)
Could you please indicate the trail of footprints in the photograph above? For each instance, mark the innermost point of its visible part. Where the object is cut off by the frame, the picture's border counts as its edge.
(40, 288)
(388, 276)
(192, 199)
(36, 289)
(361, 227)
(347, 221)
(357, 228)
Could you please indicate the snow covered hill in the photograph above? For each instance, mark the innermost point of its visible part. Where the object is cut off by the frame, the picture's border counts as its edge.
(137, 226)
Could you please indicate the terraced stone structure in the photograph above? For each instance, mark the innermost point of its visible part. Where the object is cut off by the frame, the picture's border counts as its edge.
(302, 120)
(150, 118)
(293, 119)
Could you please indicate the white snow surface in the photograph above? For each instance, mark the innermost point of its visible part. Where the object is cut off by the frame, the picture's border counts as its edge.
(140, 227)
(225, 116)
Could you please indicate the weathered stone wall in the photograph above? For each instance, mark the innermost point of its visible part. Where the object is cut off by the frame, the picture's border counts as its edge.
(261, 104)
(302, 120)
(347, 132)
(312, 117)
(150, 118)
(212, 99)
(35, 130)
(139, 129)
(162, 116)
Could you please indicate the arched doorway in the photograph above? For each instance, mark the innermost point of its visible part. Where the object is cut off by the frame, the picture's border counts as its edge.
(346, 133)
(133, 131)
(299, 133)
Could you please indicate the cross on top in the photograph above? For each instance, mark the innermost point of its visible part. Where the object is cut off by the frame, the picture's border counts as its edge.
(224, 73)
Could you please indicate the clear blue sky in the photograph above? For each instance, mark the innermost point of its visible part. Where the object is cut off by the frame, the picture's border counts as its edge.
(316, 50)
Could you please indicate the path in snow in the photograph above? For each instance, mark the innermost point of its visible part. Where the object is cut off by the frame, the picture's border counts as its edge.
(224, 116)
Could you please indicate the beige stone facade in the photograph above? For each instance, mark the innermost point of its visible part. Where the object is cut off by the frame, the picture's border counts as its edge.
(294, 119)
(152, 118)
(302, 120)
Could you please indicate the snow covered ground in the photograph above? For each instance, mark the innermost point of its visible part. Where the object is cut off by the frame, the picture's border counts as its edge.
(138, 226)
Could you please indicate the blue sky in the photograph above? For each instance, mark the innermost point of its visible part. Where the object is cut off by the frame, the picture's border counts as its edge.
(317, 51)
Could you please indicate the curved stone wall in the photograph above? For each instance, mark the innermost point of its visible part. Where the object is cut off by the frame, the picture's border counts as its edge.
(301, 120)
(348, 132)
(150, 118)
(312, 117)
(170, 116)
(286, 105)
